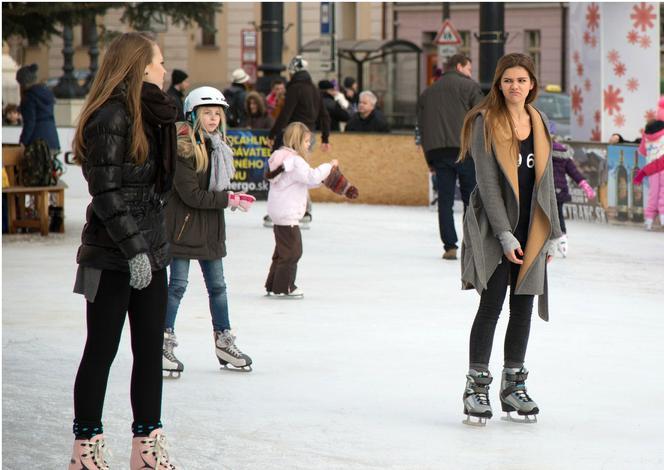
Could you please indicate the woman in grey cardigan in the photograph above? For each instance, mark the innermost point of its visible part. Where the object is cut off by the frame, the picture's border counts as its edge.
(509, 231)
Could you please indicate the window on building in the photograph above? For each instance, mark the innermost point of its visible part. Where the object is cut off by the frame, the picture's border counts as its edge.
(464, 48)
(533, 48)
(209, 38)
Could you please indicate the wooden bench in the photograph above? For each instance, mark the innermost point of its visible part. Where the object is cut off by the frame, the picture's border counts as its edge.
(18, 214)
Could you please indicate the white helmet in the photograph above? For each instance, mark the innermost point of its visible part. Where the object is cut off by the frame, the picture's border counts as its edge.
(203, 96)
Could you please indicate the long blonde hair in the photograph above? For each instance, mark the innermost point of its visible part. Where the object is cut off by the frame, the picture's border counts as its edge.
(197, 139)
(494, 107)
(294, 138)
(124, 62)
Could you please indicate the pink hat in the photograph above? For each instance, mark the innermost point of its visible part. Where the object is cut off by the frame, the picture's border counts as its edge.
(660, 109)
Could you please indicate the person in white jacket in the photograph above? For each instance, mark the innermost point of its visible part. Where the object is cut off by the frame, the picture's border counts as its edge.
(290, 178)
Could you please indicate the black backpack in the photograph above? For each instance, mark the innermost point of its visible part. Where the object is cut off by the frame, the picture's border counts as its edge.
(232, 114)
(37, 167)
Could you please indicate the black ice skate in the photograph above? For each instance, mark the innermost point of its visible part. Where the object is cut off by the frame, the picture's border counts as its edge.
(476, 398)
(169, 362)
(228, 354)
(514, 397)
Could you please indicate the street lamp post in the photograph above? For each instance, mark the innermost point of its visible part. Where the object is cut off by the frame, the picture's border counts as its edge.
(492, 40)
(93, 38)
(68, 86)
(272, 39)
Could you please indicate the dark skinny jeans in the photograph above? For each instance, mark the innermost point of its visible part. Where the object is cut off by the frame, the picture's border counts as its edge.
(444, 161)
(484, 326)
(105, 319)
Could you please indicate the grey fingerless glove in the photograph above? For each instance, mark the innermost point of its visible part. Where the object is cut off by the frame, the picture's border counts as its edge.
(550, 248)
(140, 271)
(508, 241)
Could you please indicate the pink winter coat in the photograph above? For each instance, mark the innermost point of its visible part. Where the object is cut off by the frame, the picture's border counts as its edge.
(287, 197)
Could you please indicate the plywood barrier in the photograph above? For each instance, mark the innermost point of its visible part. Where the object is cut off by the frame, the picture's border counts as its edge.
(386, 168)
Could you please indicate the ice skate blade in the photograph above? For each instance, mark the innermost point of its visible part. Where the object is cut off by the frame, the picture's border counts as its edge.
(172, 374)
(232, 368)
(522, 419)
(480, 423)
(272, 295)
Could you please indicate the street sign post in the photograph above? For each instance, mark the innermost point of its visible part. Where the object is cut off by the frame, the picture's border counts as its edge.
(448, 40)
(327, 36)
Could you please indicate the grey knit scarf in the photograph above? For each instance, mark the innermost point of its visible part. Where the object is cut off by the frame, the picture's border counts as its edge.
(221, 164)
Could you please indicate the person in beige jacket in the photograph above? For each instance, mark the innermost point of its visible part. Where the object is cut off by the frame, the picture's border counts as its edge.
(509, 230)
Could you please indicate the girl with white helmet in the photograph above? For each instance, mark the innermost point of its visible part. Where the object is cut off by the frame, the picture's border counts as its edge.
(195, 221)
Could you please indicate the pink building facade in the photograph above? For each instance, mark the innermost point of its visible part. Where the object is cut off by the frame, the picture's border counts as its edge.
(533, 28)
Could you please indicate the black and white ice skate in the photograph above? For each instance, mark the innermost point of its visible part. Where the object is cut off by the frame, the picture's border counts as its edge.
(228, 354)
(514, 397)
(476, 402)
(169, 362)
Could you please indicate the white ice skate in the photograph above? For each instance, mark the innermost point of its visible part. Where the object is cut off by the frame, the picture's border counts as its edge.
(169, 362)
(563, 246)
(228, 354)
(296, 293)
(514, 397)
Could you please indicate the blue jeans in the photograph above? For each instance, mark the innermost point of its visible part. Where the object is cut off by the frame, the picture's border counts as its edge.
(447, 172)
(213, 273)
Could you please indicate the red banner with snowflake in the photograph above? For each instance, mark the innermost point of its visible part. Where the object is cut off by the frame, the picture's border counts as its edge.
(630, 66)
(614, 68)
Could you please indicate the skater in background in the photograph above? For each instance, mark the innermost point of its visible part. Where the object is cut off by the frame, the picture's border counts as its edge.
(290, 178)
(255, 112)
(563, 165)
(303, 104)
(195, 220)
(37, 110)
(652, 147)
(509, 230)
(126, 144)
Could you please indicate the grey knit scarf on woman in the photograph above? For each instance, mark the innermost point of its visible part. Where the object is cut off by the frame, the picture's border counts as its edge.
(221, 164)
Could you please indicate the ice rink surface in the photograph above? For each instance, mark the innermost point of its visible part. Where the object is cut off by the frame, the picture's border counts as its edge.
(367, 371)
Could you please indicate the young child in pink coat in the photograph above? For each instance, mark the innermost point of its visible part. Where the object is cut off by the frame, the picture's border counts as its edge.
(652, 147)
(290, 178)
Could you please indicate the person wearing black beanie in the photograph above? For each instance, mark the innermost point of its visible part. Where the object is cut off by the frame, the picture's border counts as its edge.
(179, 84)
(335, 103)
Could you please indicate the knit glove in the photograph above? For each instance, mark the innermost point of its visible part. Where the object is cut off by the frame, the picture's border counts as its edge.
(140, 271)
(240, 201)
(550, 248)
(339, 184)
(590, 193)
(638, 178)
(508, 241)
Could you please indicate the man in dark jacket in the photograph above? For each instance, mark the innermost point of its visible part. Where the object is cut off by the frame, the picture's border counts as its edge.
(333, 101)
(440, 112)
(236, 95)
(368, 118)
(179, 85)
(37, 110)
(303, 103)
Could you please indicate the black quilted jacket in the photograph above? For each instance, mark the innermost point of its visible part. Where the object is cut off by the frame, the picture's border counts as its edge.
(125, 216)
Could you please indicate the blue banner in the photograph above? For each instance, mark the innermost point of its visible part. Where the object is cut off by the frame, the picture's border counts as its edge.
(251, 152)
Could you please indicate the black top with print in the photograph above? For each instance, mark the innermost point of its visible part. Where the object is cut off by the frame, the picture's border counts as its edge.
(526, 172)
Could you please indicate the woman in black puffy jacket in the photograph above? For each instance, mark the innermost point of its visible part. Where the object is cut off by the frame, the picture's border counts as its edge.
(126, 144)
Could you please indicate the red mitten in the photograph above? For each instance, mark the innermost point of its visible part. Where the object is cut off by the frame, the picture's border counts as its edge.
(638, 178)
(240, 201)
(339, 184)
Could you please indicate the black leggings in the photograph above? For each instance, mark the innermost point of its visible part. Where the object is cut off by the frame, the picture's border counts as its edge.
(105, 319)
(561, 217)
(484, 327)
